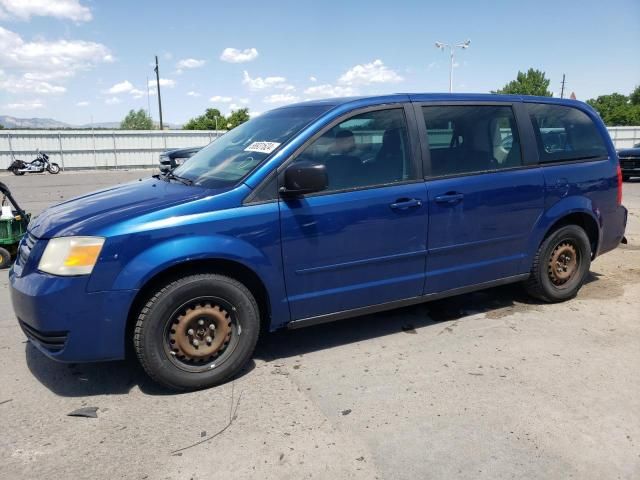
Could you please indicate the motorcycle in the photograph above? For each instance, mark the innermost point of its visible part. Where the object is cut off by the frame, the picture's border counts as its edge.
(39, 165)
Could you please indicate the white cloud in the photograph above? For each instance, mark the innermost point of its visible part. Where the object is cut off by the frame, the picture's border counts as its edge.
(164, 82)
(369, 73)
(84, 103)
(190, 63)
(112, 101)
(280, 98)
(327, 91)
(25, 9)
(220, 99)
(28, 84)
(27, 105)
(244, 101)
(260, 83)
(233, 106)
(313, 79)
(41, 62)
(193, 94)
(122, 87)
(135, 93)
(233, 55)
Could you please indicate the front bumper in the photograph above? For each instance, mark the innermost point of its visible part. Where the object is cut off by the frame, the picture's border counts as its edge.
(630, 166)
(67, 323)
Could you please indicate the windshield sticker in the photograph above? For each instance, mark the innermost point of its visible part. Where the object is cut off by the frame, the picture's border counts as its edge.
(262, 147)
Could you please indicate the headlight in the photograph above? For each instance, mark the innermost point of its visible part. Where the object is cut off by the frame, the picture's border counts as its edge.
(67, 256)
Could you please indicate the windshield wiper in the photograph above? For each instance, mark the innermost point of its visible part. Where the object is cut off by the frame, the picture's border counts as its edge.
(172, 176)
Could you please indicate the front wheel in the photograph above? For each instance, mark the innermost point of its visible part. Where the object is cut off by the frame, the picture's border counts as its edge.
(197, 331)
(53, 168)
(561, 265)
(5, 258)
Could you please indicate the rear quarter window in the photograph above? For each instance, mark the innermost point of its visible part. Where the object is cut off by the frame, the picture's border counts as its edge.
(565, 134)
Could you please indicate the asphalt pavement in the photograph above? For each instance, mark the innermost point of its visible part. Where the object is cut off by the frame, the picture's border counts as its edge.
(489, 385)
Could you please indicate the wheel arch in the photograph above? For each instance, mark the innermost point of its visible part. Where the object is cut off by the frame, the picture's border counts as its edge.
(583, 219)
(222, 266)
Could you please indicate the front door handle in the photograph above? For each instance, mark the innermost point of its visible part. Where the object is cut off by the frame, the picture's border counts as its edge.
(405, 203)
(449, 198)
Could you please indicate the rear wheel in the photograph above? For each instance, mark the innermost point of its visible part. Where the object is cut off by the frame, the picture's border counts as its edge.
(5, 258)
(197, 331)
(53, 168)
(17, 172)
(560, 265)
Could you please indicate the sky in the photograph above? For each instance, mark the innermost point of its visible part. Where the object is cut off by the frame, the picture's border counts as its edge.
(80, 61)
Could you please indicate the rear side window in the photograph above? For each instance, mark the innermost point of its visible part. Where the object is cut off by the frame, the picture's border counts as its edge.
(471, 138)
(565, 133)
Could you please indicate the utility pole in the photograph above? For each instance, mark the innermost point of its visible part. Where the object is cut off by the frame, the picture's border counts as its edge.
(157, 70)
(451, 48)
(148, 99)
(562, 89)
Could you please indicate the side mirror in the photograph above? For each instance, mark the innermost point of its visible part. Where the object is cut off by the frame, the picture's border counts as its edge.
(304, 177)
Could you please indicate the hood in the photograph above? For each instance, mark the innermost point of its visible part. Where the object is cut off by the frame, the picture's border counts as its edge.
(87, 214)
(635, 152)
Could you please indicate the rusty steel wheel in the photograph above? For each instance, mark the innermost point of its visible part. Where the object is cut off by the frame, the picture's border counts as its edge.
(563, 263)
(201, 334)
(560, 265)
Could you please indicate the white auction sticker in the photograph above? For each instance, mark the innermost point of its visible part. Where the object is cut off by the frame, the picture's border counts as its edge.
(262, 147)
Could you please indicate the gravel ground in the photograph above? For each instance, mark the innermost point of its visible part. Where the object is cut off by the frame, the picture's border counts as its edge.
(488, 385)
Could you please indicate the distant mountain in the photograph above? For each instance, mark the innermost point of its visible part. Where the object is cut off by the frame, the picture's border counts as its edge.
(13, 122)
(48, 123)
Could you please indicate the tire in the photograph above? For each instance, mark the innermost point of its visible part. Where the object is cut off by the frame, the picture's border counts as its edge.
(626, 178)
(5, 258)
(169, 325)
(17, 173)
(53, 168)
(554, 275)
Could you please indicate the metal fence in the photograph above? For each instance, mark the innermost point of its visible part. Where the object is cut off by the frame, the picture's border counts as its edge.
(111, 149)
(114, 149)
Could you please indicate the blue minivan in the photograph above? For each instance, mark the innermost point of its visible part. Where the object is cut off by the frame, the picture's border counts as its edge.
(316, 212)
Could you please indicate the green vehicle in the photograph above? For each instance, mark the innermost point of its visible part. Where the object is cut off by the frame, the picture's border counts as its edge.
(11, 229)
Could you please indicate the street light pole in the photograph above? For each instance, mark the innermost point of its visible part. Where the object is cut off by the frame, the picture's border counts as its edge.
(451, 48)
(157, 70)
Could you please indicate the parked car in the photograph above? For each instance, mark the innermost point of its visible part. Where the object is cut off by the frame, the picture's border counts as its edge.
(630, 161)
(171, 159)
(316, 212)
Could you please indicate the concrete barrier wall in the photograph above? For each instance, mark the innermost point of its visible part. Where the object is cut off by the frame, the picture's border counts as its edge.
(98, 148)
(73, 149)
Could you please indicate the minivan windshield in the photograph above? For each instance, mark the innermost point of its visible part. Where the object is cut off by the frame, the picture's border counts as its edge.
(235, 154)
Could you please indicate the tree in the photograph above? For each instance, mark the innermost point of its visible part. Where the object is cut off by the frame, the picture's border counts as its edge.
(139, 120)
(617, 109)
(213, 119)
(237, 117)
(635, 96)
(533, 82)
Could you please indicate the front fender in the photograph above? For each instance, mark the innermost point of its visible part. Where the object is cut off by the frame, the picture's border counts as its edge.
(563, 208)
(164, 255)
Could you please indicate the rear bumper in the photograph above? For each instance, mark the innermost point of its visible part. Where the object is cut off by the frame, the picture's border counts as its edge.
(68, 324)
(613, 230)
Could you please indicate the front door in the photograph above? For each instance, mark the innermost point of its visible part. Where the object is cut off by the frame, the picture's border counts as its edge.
(363, 241)
(483, 201)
